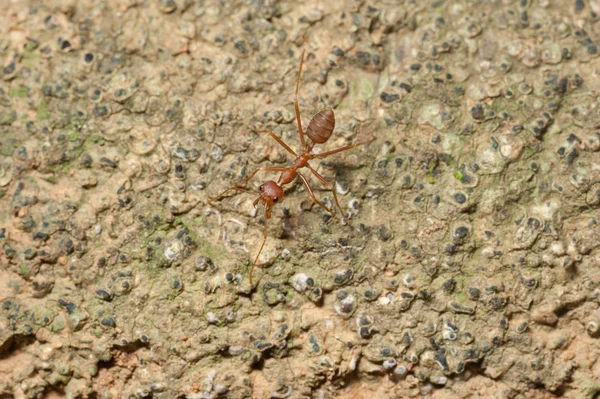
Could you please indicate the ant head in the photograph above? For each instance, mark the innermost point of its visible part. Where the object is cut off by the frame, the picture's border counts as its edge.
(270, 194)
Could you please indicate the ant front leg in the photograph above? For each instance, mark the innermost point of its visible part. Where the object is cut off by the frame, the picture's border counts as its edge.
(240, 186)
(314, 198)
(330, 188)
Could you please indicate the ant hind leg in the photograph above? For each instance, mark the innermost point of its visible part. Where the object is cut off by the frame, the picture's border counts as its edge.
(345, 148)
(296, 106)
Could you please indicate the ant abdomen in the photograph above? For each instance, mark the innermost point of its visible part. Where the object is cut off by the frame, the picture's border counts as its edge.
(321, 126)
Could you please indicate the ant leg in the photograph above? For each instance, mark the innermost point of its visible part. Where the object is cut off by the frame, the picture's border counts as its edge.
(330, 188)
(348, 147)
(314, 198)
(239, 186)
(261, 246)
(280, 141)
(244, 190)
(298, 120)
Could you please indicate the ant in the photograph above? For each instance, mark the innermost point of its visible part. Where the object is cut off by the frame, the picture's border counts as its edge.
(319, 131)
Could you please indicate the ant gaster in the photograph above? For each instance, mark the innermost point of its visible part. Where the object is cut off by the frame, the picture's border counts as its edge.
(319, 130)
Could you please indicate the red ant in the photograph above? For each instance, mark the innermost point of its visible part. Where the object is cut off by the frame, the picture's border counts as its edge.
(319, 131)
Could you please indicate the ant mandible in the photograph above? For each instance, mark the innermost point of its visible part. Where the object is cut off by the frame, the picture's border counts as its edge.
(319, 131)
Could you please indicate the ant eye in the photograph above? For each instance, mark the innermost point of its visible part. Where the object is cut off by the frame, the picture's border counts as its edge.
(261, 187)
(275, 199)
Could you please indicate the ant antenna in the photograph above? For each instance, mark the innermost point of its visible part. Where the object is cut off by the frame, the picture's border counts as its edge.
(261, 246)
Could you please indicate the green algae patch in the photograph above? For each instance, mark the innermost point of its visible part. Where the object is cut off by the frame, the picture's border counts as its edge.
(19, 92)
(42, 111)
